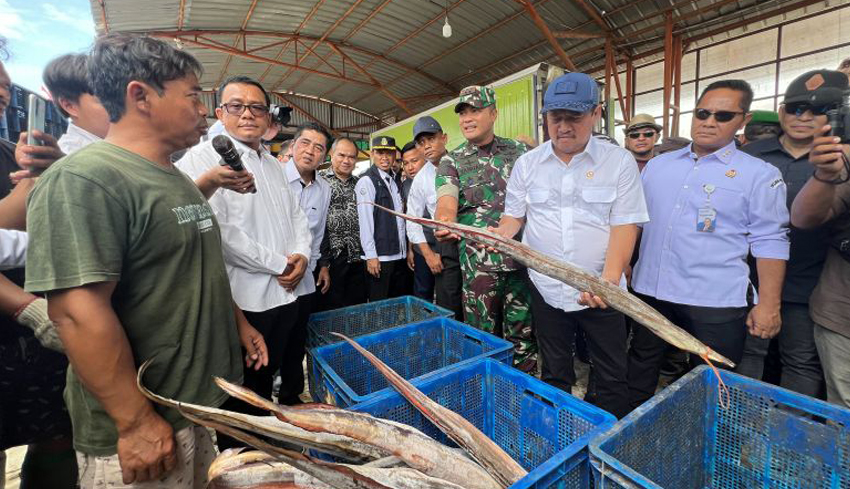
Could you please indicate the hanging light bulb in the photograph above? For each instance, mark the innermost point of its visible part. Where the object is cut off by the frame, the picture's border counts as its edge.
(447, 29)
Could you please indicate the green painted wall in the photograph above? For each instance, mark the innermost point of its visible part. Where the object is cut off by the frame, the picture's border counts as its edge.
(514, 100)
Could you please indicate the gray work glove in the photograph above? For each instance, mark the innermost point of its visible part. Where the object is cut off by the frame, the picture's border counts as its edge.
(34, 317)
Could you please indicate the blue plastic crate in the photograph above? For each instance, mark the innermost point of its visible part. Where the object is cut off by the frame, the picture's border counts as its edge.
(368, 318)
(543, 428)
(344, 377)
(768, 437)
(363, 319)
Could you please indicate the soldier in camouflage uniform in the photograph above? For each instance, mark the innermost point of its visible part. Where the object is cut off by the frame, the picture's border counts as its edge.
(471, 185)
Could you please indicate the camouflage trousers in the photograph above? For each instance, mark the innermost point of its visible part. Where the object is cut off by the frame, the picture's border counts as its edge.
(499, 303)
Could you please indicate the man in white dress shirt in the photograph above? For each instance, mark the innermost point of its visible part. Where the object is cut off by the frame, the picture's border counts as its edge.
(265, 235)
(438, 259)
(313, 194)
(382, 234)
(580, 200)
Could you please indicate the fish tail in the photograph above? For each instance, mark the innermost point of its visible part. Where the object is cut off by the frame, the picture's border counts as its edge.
(723, 395)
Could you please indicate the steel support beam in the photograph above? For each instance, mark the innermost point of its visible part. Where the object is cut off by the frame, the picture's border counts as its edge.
(668, 72)
(541, 24)
(577, 35)
(262, 59)
(593, 14)
(630, 89)
(103, 15)
(181, 15)
(677, 83)
(302, 38)
(371, 78)
(615, 73)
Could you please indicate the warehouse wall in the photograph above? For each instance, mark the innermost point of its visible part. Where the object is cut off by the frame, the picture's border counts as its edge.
(768, 59)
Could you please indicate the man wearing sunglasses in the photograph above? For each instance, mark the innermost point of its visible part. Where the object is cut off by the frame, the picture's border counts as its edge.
(265, 235)
(824, 201)
(801, 121)
(697, 274)
(642, 133)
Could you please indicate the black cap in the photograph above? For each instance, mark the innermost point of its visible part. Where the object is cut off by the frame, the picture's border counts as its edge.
(384, 142)
(818, 87)
(426, 125)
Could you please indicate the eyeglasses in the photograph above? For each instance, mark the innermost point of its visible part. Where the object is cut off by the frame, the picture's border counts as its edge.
(800, 108)
(636, 135)
(257, 110)
(719, 116)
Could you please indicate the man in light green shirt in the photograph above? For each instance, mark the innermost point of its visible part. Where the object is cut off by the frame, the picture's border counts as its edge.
(129, 254)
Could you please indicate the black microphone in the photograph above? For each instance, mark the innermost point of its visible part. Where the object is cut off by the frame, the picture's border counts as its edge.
(229, 156)
(224, 147)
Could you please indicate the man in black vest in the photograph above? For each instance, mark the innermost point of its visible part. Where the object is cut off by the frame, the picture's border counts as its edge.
(381, 234)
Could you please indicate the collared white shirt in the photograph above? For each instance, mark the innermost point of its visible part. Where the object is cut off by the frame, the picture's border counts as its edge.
(365, 192)
(13, 249)
(75, 139)
(314, 200)
(569, 208)
(422, 196)
(258, 231)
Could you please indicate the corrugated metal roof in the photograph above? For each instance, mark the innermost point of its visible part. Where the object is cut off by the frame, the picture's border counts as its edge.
(400, 44)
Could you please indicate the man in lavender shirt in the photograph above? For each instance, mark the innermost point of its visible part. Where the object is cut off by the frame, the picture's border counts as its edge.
(695, 273)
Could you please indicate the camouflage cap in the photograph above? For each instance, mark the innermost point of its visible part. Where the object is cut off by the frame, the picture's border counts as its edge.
(476, 96)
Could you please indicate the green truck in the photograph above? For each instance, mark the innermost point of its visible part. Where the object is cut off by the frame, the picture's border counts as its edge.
(518, 98)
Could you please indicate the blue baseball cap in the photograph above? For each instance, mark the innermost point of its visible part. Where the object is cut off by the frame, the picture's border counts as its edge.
(576, 92)
(426, 124)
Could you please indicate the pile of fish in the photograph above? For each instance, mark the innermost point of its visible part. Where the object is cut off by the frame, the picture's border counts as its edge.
(374, 453)
(578, 279)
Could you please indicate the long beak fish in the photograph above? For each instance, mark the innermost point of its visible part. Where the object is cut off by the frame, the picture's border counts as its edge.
(481, 448)
(259, 470)
(342, 447)
(579, 279)
(417, 450)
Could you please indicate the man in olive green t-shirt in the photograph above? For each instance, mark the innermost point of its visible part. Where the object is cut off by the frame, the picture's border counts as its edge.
(129, 255)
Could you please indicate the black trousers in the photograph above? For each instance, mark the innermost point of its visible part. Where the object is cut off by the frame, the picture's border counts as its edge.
(800, 366)
(348, 285)
(393, 281)
(448, 284)
(276, 325)
(721, 328)
(423, 279)
(605, 330)
(291, 362)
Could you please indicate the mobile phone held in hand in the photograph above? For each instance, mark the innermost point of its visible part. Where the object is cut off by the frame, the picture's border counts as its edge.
(36, 107)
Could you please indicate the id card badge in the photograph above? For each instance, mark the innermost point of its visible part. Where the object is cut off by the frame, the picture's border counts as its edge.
(706, 219)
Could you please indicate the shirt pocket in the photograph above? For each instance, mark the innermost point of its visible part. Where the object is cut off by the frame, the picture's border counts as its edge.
(728, 202)
(473, 191)
(537, 196)
(596, 203)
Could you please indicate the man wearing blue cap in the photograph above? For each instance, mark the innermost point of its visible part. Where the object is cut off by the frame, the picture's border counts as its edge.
(437, 266)
(580, 200)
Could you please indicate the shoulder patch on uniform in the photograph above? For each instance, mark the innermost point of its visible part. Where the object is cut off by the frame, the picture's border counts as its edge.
(777, 183)
(362, 190)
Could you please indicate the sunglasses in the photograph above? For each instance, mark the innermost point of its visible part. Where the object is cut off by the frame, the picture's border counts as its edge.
(719, 116)
(237, 109)
(800, 108)
(636, 135)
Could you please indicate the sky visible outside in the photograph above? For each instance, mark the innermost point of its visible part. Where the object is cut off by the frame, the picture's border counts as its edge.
(40, 30)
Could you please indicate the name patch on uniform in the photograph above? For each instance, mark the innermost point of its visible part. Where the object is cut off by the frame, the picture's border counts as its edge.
(205, 224)
(776, 183)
